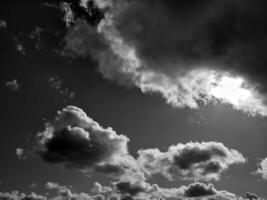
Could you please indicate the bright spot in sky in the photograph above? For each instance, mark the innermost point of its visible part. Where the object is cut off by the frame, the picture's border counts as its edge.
(232, 90)
(237, 92)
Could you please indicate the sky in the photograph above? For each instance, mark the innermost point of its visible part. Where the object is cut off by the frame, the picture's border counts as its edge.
(133, 100)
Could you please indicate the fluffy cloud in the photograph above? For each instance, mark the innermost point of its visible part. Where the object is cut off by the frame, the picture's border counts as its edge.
(78, 141)
(64, 192)
(262, 170)
(201, 161)
(21, 153)
(13, 84)
(199, 189)
(188, 57)
(3, 24)
(100, 189)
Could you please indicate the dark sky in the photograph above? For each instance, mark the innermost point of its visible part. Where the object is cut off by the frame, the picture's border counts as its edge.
(154, 71)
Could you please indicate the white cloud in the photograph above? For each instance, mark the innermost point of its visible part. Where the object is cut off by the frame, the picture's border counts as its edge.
(198, 161)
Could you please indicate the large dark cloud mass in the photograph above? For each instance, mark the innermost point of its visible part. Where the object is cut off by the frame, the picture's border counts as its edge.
(182, 50)
(170, 34)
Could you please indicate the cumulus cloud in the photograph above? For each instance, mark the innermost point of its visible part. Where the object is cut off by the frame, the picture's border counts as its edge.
(13, 84)
(199, 189)
(21, 153)
(251, 196)
(193, 160)
(79, 142)
(131, 190)
(188, 57)
(63, 192)
(3, 24)
(100, 189)
(262, 170)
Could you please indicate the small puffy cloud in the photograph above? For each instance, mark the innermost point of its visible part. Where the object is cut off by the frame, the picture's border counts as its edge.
(21, 153)
(13, 84)
(79, 142)
(193, 160)
(19, 46)
(56, 85)
(63, 192)
(132, 188)
(3, 24)
(262, 170)
(99, 188)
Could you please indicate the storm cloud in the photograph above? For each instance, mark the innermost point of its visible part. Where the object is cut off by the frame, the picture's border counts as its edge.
(186, 51)
(193, 160)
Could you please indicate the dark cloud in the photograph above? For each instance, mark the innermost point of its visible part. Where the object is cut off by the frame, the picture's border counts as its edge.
(21, 153)
(132, 189)
(187, 51)
(251, 196)
(221, 34)
(77, 141)
(199, 189)
(202, 161)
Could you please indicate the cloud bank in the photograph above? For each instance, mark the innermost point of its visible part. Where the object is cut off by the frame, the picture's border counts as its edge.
(193, 191)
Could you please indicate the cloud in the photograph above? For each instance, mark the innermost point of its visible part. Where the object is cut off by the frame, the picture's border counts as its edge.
(79, 142)
(193, 160)
(127, 190)
(15, 195)
(262, 170)
(21, 153)
(251, 196)
(13, 84)
(100, 189)
(64, 192)
(188, 57)
(3, 24)
(55, 85)
(199, 189)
